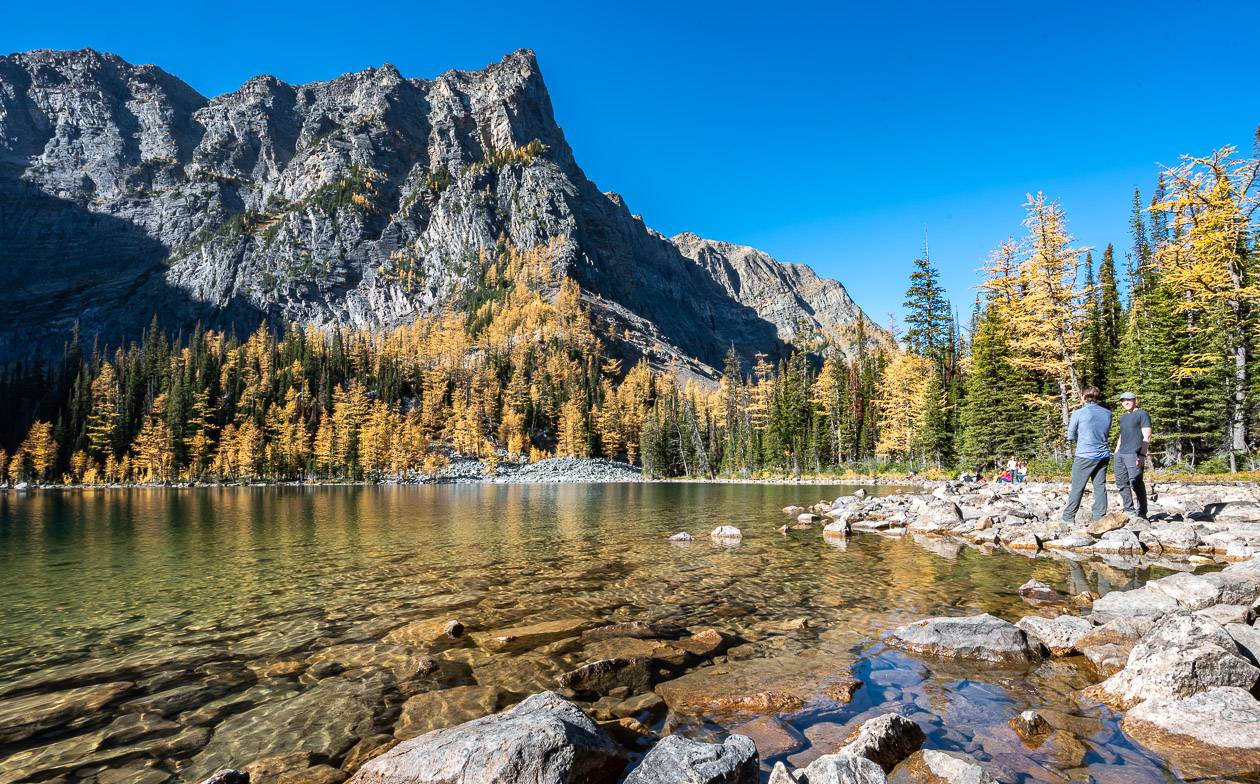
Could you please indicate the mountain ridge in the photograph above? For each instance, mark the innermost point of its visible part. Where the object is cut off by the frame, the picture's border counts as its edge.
(364, 200)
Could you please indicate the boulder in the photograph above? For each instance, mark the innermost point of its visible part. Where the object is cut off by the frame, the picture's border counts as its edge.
(1140, 603)
(1120, 631)
(780, 684)
(1030, 724)
(1176, 538)
(433, 710)
(726, 533)
(543, 740)
(601, 677)
(1111, 521)
(982, 637)
(426, 632)
(228, 776)
(1059, 635)
(1039, 591)
(779, 775)
(1107, 659)
(1181, 631)
(1069, 542)
(1215, 732)
(808, 518)
(523, 638)
(934, 516)
(705, 643)
(679, 760)
(636, 629)
(886, 740)
(1196, 592)
(1174, 673)
(836, 528)
(1247, 638)
(1118, 543)
(942, 767)
(843, 769)
(774, 736)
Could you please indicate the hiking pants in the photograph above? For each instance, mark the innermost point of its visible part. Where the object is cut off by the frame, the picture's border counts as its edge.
(1085, 470)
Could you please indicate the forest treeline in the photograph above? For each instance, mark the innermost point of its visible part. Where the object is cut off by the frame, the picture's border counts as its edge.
(517, 371)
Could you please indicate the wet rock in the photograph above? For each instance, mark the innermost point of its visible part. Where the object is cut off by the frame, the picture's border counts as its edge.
(316, 774)
(1174, 673)
(326, 720)
(843, 769)
(726, 533)
(403, 661)
(793, 510)
(681, 536)
(705, 643)
(632, 647)
(636, 629)
(1069, 542)
(524, 638)
(934, 516)
(942, 767)
(1140, 603)
(432, 710)
(280, 638)
(1111, 521)
(1214, 732)
(773, 685)
(22, 717)
(836, 529)
(773, 736)
(1106, 659)
(1030, 724)
(172, 701)
(808, 518)
(543, 740)
(600, 677)
(426, 633)
(1039, 591)
(679, 760)
(886, 740)
(980, 637)
(228, 776)
(1059, 635)
(641, 703)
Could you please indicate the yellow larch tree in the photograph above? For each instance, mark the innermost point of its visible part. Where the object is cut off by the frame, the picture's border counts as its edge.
(902, 393)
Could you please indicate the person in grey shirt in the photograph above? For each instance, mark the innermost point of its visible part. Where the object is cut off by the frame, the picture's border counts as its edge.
(1132, 448)
(1088, 427)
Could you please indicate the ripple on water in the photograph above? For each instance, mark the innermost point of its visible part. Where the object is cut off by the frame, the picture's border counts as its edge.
(176, 631)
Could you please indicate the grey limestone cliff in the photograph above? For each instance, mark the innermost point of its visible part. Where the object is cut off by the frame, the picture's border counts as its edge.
(364, 200)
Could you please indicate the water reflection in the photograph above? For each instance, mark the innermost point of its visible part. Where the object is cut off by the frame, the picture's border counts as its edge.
(231, 593)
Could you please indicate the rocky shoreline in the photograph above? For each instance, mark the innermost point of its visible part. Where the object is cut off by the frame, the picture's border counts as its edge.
(1178, 656)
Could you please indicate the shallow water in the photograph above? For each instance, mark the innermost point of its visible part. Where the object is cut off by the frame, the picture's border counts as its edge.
(212, 608)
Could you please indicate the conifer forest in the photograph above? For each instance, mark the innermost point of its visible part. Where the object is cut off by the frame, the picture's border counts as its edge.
(517, 371)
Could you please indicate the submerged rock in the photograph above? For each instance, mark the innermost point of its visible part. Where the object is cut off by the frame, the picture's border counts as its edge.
(679, 760)
(432, 710)
(775, 685)
(601, 677)
(22, 717)
(523, 638)
(942, 767)
(981, 637)
(543, 740)
(1039, 591)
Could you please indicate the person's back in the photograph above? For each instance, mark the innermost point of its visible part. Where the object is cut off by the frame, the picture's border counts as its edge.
(1088, 427)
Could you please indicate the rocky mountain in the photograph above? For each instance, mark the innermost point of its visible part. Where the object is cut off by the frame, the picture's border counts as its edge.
(365, 200)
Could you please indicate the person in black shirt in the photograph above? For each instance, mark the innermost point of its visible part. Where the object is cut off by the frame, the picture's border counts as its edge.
(1132, 448)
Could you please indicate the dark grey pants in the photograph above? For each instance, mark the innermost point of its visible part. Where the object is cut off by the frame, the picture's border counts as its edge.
(1087, 470)
(1130, 483)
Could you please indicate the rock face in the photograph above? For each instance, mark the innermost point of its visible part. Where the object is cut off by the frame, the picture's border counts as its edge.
(543, 740)
(679, 760)
(980, 637)
(886, 740)
(364, 200)
(1213, 732)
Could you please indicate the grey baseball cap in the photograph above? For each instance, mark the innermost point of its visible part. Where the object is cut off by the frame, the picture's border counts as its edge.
(1128, 396)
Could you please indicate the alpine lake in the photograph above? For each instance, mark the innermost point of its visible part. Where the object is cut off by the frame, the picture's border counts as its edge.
(154, 634)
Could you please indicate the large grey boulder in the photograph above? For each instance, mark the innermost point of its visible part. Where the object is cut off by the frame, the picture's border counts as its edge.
(886, 740)
(1059, 635)
(1213, 732)
(679, 760)
(1140, 603)
(543, 740)
(1181, 631)
(981, 637)
(940, 767)
(1196, 592)
(843, 769)
(1174, 673)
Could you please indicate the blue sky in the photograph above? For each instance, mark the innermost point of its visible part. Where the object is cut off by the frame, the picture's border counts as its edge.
(828, 134)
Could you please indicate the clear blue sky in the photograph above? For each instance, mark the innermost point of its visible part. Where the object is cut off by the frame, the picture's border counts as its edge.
(829, 134)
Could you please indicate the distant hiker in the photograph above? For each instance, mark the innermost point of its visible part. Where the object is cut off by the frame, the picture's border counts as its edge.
(1132, 448)
(1088, 427)
(1021, 471)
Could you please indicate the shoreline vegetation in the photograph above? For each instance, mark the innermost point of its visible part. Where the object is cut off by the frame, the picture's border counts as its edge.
(516, 367)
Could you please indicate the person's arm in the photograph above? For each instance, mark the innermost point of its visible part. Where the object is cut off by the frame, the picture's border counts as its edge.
(1073, 423)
